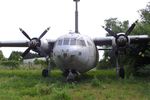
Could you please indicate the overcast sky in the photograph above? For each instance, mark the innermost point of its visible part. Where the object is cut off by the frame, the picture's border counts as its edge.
(34, 16)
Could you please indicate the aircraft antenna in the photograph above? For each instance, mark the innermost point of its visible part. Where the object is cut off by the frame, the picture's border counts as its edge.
(76, 16)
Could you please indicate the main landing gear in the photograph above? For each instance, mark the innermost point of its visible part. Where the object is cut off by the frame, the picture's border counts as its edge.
(119, 67)
(122, 73)
(45, 72)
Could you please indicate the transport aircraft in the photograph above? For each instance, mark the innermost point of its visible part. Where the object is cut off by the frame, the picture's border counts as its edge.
(75, 53)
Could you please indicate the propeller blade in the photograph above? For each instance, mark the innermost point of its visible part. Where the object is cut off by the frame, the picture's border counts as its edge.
(131, 28)
(24, 33)
(109, 31)
(26, 52)
(44, 33)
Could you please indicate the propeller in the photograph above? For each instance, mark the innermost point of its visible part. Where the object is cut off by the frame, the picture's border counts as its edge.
(34, 43)
(121, 39)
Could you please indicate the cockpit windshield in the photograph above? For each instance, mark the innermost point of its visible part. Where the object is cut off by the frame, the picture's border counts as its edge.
(59, 42)
(71, 41)
(66, 41)
(81, 42)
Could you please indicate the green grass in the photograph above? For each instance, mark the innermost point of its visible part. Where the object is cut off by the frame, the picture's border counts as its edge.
(28, 84)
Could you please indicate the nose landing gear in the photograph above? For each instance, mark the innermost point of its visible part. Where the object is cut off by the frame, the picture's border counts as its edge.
(70, 75)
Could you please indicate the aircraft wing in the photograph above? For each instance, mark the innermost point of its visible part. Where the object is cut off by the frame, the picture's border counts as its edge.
(22, 43)
(42, 47)
(111, 41)
(14, 44)
(139, 39)
(103, 41)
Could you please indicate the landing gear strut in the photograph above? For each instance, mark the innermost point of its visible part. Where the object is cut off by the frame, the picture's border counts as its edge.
(45, 72)
(122, 73)
(70, 75)
(119, 70)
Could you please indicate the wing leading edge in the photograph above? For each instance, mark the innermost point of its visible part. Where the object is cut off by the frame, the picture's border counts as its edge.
(14, 44)
(111, 41)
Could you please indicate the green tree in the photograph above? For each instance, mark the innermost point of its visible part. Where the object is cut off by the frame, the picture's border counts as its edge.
(116, 25)
(145, 14)
(15, 55)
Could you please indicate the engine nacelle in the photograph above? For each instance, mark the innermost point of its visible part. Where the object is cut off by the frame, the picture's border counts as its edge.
(121, 41)
(45, 47)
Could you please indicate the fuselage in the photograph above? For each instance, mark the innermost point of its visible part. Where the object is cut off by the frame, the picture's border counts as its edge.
(76, 52)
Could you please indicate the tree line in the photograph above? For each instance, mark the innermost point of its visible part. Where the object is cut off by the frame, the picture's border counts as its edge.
(137, 59)
(15, 59)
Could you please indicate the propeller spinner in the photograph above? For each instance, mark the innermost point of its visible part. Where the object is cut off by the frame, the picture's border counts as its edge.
(34, 43)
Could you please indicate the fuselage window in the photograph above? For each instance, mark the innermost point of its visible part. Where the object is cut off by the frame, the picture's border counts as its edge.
(59, 42)
(73, 42)
(81, 42)
(66, 41)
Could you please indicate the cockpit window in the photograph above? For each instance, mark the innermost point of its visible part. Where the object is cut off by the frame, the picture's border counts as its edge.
(89, 43)
(73, 41)
(66, 41)
(59, 42)
(81, 42)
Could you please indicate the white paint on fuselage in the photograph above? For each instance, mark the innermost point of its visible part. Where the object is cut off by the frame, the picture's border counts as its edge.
(77, 57)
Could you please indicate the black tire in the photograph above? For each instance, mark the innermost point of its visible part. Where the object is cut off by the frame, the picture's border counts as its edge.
(45, 73)
(122, 73)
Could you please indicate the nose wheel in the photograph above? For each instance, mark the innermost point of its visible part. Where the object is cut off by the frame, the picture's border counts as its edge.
(70, 75)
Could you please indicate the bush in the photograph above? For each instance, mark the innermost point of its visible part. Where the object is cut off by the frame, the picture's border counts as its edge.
(144, 71)
(10, 63)
(44, 63)
(103, 64)
(39, 62)
(138, 66)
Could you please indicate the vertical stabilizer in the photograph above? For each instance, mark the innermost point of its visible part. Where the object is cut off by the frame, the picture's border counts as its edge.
(76, 16)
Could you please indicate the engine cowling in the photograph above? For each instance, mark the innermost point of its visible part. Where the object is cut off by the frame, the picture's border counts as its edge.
(45, 47)
(121, 41)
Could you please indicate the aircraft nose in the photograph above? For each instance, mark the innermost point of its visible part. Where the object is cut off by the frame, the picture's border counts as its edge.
(68, 55)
